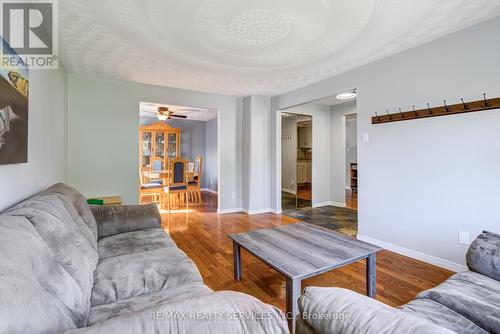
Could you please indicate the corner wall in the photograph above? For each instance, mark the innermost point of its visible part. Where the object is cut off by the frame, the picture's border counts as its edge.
(46, 140)
(423, 181)
(104, 143)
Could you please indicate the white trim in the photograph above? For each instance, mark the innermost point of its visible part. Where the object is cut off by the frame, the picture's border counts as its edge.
(347, 187)
(317, 205)
(290, 191)
(258, 211)
(456, 267)
(277, 212)
(227, 211)
(208, 190)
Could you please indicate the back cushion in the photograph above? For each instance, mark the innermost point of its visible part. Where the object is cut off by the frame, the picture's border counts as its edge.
(37, 294)
(483, 255)
(71, 248)
(79, 202)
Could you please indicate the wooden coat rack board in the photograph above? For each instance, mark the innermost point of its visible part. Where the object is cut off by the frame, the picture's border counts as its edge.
(460, 108)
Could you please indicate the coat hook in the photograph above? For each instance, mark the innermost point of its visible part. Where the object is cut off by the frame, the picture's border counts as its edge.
(378, 117)
(446, 106)
(387, 111)
(486, 102)
(416, 113)
(402, 115)
(466, 107)
(429, 108)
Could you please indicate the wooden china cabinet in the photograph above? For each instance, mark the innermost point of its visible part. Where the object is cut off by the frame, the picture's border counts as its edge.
(158, 141)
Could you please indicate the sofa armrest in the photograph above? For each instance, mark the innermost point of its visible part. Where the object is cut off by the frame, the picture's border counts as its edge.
(113, 220)
(218, 312)
(341, 311)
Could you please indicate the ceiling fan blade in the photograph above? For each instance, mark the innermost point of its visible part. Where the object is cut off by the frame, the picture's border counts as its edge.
(178, 116)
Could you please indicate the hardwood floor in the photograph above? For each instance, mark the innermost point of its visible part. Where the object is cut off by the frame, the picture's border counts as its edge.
(351, 200)
(201, 233)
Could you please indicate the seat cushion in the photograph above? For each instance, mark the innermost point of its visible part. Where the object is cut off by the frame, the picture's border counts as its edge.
(174, 188)
(133, 242)
(151, 186)
(135, 274)
(472, 295)
(139, 303)
(442, 316)
(36, 292)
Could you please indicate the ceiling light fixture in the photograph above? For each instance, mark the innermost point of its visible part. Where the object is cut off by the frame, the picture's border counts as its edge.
(346, 96)
(162, 117)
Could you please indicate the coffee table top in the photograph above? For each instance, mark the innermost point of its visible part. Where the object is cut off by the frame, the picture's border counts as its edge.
(303, 250)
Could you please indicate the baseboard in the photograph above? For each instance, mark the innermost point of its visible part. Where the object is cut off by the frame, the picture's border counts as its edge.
(258, 211)
(277, 212)
(456, 267)
(317, 205)
(208, 190)
(290, 191)
(227, 211)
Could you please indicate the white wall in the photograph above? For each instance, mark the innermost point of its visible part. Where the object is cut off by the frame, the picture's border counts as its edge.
(210, 163)
(422, 181)
(46, 140)
(338, 150)
(351, 146)
(289, 153)
(257, 154)
(104, 143)
(321, 150)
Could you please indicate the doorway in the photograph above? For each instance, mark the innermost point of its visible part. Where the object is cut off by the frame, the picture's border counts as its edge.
(296, 161)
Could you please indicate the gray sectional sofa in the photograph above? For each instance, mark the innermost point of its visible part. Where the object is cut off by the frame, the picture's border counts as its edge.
(466, 303)
(68, 268)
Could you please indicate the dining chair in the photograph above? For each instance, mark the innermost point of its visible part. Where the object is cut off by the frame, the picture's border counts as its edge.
(156, 165)
(177, 181)
(149, 189)
(194, 185)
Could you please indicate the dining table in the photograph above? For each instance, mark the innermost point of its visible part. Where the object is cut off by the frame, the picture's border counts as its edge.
(164, 173)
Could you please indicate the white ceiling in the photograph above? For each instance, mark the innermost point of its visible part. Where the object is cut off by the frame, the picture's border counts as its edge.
(150, 109)
(242, 47)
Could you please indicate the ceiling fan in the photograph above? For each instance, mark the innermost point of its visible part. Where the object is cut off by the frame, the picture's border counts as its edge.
(164, 113)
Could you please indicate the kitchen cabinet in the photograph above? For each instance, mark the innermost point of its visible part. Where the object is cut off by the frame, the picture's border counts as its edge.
(305, 137)
(304, 172)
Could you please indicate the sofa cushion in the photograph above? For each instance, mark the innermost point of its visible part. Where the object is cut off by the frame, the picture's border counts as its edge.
(37, 294)
(136, 304)
(71, 248)
(336, 310)
(135, 274)
(133, 242)
(79, 202)
(474, 296)
(442, 316)
(483, 255)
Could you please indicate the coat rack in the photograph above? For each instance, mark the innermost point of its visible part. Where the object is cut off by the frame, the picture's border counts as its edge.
(445, 109)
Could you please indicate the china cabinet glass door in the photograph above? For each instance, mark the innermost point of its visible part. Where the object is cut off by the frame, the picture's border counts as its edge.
(172, 145)
(147, 148)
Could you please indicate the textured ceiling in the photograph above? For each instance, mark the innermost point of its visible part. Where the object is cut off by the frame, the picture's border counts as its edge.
(241, 47)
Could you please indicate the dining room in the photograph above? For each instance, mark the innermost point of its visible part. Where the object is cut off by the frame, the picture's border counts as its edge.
(178, 164)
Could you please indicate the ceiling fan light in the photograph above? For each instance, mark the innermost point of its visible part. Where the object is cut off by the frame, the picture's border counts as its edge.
(162, 117)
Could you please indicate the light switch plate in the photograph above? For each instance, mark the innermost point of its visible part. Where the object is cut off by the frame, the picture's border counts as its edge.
(463, 238)
(366, 137)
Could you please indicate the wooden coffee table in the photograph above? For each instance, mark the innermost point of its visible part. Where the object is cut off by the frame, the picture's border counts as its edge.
(299, 251)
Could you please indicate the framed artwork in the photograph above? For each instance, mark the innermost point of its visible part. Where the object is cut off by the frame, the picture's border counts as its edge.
(14, 89)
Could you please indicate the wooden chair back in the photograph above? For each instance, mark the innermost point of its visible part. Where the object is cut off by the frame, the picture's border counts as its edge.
(198, 168)
(157, 164)
(177, 176)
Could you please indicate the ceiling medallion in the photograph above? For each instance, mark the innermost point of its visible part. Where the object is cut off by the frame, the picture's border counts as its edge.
(260, 27)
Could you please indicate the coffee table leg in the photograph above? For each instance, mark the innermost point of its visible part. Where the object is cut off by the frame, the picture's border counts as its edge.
(371, 275)
(237, 262)
(293, 289)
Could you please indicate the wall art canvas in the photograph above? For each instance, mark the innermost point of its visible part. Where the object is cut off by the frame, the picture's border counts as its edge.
(14, 88)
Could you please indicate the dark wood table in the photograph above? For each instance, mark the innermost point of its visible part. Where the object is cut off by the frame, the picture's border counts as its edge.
(302, 250)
